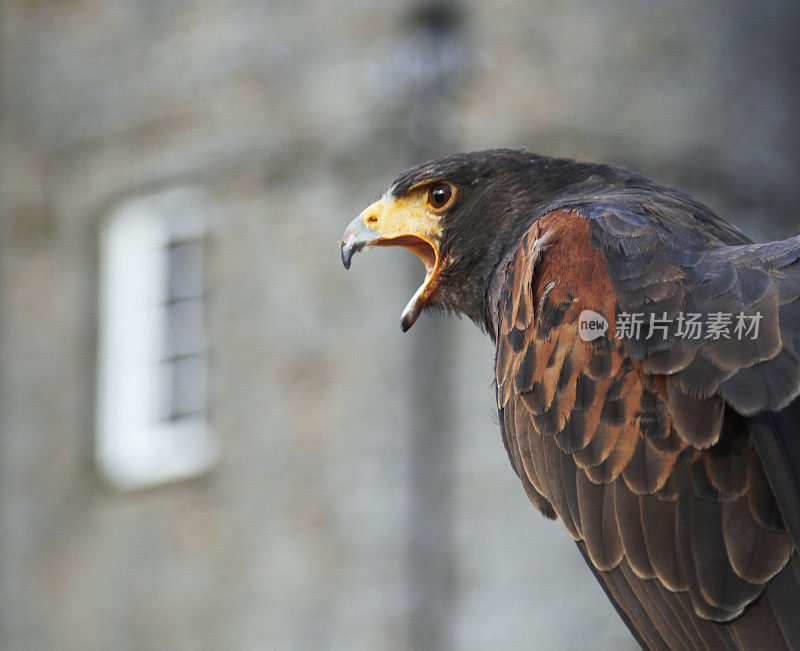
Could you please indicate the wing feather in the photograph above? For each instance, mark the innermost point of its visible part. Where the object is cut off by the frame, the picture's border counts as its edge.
(598, 522)
(631, 529)
(648, 452)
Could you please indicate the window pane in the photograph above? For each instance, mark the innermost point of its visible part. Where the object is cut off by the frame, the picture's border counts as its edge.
(184, 328)
(186, 383)
(184, 269)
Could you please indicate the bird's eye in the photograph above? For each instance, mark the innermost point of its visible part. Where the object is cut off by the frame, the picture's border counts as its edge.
(439, 195)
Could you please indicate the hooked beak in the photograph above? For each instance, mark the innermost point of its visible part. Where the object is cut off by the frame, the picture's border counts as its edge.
(357, 236)
(398, 222)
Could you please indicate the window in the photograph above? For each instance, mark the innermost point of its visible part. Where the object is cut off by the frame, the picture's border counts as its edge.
(152, 385)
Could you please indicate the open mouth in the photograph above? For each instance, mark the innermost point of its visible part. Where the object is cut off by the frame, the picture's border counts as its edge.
(423, 249)
(360, 236)
(426, 252)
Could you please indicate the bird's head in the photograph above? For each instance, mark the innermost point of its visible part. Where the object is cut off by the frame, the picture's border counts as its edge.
(459, 214)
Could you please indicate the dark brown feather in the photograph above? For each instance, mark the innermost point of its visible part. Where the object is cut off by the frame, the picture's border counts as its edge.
(629, 519)
(756, 554)
(659, 523)
(598, 523)
(720, 593)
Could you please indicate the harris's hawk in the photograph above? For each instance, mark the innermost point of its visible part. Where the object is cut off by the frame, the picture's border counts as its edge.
(647, 377)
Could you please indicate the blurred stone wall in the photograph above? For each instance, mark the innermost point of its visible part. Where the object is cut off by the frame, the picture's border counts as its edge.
(292, 116)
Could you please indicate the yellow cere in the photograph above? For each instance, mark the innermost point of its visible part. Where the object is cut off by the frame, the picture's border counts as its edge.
(406, 215)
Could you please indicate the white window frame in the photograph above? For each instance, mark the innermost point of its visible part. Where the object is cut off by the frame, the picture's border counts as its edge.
(136, 447)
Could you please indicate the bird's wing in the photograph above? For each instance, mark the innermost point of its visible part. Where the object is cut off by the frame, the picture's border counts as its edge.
(668, 270)
(654, 478)
(662, 268)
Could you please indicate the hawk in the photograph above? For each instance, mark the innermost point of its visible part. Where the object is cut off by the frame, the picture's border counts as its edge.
(646, 372)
